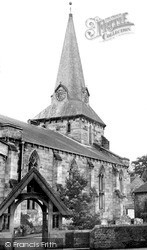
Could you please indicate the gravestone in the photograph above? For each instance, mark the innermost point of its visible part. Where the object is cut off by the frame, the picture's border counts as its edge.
(123, 220)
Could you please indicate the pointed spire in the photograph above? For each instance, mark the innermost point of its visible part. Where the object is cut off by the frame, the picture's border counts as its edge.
(70, 72)
(71, 80)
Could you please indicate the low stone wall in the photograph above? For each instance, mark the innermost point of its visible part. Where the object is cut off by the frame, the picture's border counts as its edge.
(77, 239)
(101, 237)
(71, 238)
(116, 237)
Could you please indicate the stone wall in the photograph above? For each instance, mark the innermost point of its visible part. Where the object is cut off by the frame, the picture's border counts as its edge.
(82, 130)
(71, 238)
(101, 237)
(56, 171)
(116, 237)
(45, 165)
(10, 131)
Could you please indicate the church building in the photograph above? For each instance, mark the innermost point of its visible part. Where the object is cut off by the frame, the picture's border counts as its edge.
(66, 133)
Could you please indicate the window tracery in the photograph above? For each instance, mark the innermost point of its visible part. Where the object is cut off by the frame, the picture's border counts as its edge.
(102, 188)
(33, 160)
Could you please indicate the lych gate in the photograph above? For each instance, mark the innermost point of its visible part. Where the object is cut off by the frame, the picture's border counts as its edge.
(32, 187)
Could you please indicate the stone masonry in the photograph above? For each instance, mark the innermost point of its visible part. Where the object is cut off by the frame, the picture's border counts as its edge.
(68, 130)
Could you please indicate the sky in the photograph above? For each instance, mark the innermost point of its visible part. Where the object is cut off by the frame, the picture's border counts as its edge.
(31, 39)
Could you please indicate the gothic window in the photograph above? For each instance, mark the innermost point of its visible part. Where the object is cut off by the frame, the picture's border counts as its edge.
(33, 160)
(73, 167)
(101, 188)
(90, 170)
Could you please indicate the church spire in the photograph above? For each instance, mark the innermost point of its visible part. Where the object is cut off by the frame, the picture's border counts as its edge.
(70, 73)
(71, 96)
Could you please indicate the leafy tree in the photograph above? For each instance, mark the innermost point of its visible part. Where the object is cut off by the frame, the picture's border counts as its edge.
(79, 201)
(140, 167)
(25, 220)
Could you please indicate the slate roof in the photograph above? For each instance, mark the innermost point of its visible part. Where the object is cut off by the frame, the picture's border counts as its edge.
(70, 108)
(34, 174)
(141, 189)
(136, 182)
(55, 140)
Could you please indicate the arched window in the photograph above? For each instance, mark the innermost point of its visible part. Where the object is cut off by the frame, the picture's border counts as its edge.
(33, 160)
(73, 168)
(121, 186)
(90, 173)
(102, 188)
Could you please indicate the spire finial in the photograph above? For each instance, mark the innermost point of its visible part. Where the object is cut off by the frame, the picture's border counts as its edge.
(70, 3)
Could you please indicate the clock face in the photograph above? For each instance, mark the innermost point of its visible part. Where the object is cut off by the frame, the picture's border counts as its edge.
(60, 94)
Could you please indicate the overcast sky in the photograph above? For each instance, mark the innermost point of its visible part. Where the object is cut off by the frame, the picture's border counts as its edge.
(31, 39)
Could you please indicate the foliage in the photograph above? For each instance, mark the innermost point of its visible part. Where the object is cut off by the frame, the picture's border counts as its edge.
(79, 201)
(140, 167)
(25, 220)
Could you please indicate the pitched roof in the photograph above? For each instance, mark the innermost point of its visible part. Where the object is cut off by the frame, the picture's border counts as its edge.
(70, 75)
(136, 182)
(69, 108)
(55, 140)
(141, 189)
(34, 174)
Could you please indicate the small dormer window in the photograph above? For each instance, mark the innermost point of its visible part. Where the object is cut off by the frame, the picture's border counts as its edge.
(85, 95)
(68, 127)
(60, 92)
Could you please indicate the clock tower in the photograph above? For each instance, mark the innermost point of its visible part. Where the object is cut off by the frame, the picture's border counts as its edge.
(70, 112)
